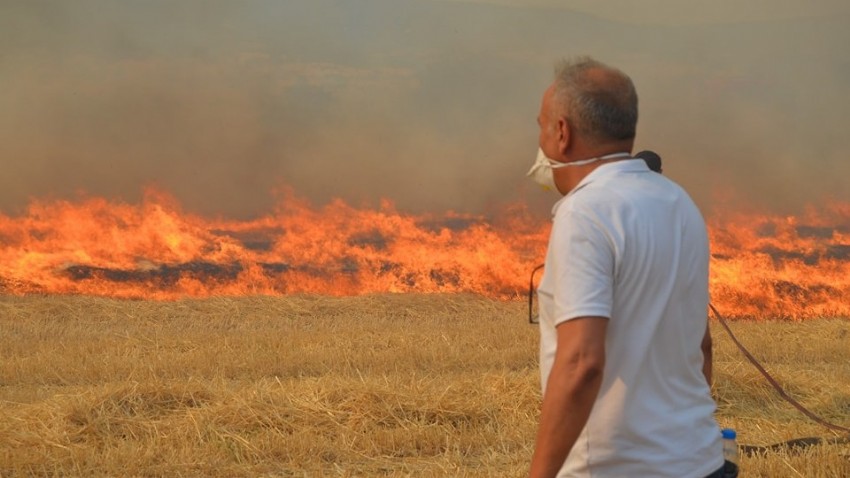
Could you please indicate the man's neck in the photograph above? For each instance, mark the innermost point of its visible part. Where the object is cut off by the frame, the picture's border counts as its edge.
(569, 177)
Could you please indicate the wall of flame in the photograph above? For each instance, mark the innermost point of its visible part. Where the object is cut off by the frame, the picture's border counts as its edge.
(762, 266)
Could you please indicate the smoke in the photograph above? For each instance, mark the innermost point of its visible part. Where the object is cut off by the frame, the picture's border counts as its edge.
(429, 104)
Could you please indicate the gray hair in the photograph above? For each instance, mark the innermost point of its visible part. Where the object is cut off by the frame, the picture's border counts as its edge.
(598, 101)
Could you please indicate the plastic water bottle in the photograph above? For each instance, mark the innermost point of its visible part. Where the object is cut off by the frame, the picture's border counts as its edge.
(730, 445)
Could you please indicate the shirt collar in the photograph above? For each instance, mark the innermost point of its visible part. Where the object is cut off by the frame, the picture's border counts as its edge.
(608, 169)
(604, 170)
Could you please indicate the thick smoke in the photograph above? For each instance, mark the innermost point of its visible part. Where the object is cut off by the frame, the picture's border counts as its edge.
(429, 104)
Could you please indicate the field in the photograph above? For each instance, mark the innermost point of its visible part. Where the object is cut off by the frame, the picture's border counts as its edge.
(378, 385)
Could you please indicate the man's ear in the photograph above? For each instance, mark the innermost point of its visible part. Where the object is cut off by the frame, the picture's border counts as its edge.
(564, 136)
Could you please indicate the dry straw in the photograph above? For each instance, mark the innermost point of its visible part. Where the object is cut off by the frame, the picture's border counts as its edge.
(383, 385)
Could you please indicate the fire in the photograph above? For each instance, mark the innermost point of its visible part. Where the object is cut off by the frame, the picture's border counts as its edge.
(781, 266)
(153, 250)
(762, 266)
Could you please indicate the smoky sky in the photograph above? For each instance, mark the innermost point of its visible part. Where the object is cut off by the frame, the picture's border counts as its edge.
(430, 104)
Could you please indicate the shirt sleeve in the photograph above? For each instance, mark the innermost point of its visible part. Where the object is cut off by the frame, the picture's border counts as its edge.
(583, 267)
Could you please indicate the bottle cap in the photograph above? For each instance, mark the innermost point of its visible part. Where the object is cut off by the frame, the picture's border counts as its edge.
(728, 433)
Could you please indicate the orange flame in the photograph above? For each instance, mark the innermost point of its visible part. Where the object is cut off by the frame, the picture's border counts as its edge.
(155, 251)
(782, 266)
(762, 266)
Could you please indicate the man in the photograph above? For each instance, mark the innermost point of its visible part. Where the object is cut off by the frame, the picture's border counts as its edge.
(624, 344)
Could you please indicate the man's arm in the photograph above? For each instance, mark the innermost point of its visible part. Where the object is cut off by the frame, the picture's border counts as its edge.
(706, 355)
(571, 390)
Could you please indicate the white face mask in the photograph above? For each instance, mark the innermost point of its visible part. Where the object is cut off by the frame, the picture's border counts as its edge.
(542, 169)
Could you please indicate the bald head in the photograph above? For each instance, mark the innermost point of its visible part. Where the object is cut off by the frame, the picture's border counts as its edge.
(598, 101)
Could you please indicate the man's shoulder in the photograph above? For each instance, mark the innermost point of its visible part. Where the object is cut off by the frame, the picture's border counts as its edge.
(594, 198)
(588, 203)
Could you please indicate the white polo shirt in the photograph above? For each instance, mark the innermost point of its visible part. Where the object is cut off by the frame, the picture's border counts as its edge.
(630, 245)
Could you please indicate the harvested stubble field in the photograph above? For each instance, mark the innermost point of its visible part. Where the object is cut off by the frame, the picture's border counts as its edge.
(383, 385)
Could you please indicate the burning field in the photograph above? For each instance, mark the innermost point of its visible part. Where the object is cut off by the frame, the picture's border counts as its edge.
(351, 341)
(149, 337)
(762, 266)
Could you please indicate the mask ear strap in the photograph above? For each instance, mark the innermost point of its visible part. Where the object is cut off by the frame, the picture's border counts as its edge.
(582, 162)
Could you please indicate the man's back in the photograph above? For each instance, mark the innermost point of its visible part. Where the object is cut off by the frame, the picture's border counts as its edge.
(630, 245)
